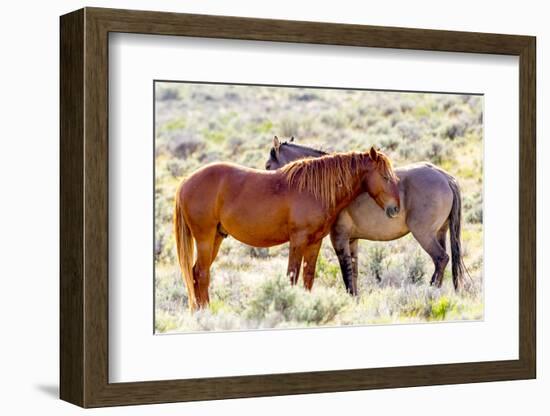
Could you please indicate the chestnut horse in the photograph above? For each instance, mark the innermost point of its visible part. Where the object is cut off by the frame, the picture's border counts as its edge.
(431, 206)
(297, 203)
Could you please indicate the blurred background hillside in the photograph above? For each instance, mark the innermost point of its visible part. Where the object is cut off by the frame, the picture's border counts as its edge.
(202, 123)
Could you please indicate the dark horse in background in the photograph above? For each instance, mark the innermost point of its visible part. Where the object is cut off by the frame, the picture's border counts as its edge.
(430, 206)
(297, 203)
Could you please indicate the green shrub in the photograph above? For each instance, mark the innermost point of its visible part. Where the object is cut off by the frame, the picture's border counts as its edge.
(376, 258)
(273, 295)
(164, 322)
(277, 299)
(327, 273)
(440, 308)
(319, 307)
(415, 267)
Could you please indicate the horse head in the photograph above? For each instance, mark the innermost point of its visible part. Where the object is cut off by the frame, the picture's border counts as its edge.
(381, 183)
(285, 152)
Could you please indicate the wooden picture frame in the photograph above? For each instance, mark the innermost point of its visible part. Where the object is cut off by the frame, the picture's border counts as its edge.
(84, 207)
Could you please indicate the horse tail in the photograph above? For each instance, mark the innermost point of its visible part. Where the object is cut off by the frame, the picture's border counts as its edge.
(455, 225)
(185, 247)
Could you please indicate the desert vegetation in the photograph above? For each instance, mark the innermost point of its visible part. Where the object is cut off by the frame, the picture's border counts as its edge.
(197, 124)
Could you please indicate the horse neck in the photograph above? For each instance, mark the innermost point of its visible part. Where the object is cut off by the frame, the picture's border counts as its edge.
(334, 180)
(349, 194)
(304, 151)
(345, 198)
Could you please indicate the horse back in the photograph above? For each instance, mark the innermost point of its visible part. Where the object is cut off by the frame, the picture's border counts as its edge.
(227, 187)
(426, 201)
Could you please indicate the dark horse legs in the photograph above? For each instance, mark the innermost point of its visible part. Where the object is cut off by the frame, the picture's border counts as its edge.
(342, 248)
(434, 244)
(354, 251)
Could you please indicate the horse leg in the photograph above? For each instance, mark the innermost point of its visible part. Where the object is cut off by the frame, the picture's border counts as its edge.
(430, 242)
(311, 253)
(442, 240)
(295, 255)
(201, 269)
(343, 252)
(442, 236)
(354, 252)
(221, 234)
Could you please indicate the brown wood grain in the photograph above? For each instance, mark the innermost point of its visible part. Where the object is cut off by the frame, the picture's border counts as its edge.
(527, 208)
(71, 208)
(84, 207)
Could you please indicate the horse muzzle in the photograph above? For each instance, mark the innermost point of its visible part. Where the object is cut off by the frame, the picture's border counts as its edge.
(392, 211)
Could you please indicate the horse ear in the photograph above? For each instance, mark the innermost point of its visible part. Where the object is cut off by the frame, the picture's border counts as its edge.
(373, 154)
(276, 143)
(292, 139)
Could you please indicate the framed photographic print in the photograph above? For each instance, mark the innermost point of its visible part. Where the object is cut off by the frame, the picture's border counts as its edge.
(255, 207)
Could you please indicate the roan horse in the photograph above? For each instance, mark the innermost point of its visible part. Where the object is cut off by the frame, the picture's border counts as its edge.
(431, 205)
(297, 203)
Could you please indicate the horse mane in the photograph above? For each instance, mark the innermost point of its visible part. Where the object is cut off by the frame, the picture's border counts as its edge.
(329, 177)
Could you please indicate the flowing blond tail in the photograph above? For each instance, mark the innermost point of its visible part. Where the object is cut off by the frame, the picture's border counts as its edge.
(185, 246)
